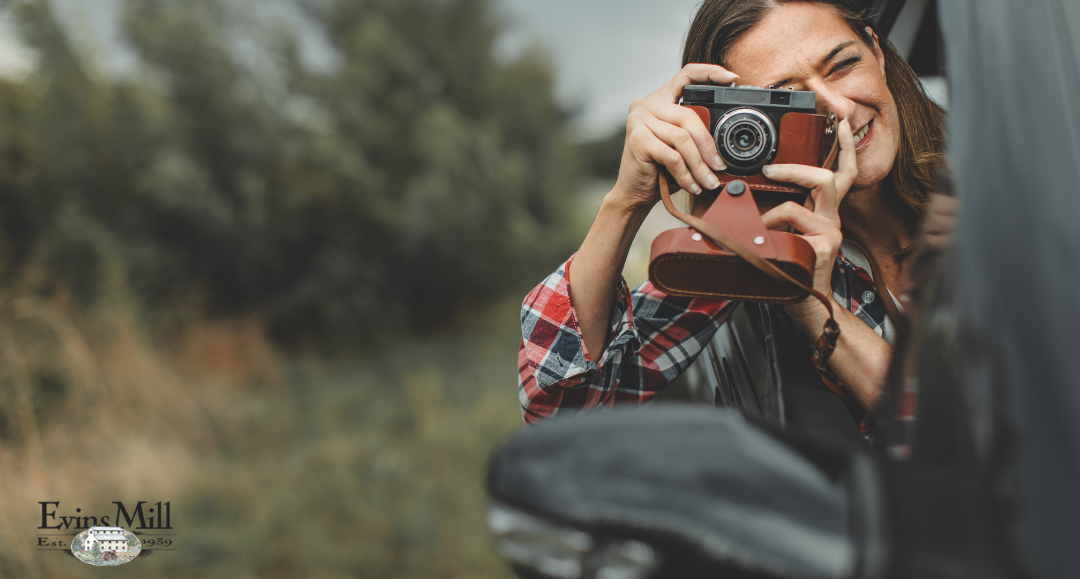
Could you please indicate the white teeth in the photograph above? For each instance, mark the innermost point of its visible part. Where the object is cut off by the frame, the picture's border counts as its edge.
(862, 133)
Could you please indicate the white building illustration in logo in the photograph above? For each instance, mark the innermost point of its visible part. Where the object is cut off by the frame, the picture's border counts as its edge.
(110, 539)
(106, 546)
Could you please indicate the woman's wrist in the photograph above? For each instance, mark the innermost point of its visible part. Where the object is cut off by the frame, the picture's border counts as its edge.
(618, 203)
(809, 316)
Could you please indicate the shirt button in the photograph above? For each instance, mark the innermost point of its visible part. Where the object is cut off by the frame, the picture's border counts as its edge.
(867, 297)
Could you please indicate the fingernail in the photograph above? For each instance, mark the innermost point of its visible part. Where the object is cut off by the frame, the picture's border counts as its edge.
(712, 182)
(719, 163)
(695, 189)
(768, 170)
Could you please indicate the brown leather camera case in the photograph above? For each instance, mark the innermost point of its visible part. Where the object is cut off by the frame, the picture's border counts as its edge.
(691, 263)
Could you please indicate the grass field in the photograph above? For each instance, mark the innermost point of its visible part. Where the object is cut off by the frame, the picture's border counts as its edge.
(276, 466)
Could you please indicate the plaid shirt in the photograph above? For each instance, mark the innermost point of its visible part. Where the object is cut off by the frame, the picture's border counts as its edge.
(653, 338)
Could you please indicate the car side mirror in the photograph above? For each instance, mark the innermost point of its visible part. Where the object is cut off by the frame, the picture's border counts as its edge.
(680, 492)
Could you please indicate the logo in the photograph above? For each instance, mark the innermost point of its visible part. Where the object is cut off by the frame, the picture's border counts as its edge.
(107, 539)
(105, 546)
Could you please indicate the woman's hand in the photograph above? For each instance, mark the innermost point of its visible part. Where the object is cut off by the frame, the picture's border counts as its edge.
(661, 132)
(818, 222)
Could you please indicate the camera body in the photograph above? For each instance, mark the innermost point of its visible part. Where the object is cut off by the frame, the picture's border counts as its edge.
(745, 121)
(756, 126)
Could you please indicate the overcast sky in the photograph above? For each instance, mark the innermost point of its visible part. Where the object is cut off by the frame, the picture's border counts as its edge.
(608, 52)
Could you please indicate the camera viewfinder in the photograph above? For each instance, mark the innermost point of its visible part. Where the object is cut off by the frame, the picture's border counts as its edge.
(780, 98)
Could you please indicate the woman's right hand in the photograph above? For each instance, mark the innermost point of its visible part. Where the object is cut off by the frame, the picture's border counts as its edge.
(661, 132)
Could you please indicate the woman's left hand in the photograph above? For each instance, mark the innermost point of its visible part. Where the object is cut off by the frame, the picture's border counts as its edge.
(819, 225)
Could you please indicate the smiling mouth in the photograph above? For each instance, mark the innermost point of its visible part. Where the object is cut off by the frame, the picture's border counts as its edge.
(861, 137)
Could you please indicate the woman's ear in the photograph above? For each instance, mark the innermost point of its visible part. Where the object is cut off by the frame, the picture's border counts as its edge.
(876, 49)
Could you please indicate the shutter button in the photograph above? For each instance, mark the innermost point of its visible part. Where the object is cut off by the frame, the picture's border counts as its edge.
(867, 297)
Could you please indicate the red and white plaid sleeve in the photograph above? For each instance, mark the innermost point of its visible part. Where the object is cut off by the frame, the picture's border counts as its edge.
(653, 338)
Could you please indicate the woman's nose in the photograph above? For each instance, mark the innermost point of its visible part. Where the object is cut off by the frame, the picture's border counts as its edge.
(829, 101)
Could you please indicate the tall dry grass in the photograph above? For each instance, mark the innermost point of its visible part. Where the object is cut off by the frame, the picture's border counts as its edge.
(275, 466)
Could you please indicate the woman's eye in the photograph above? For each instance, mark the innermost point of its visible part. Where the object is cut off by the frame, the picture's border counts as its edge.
(845, 65)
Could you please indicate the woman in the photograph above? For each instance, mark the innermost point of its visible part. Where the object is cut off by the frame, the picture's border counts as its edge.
(588, 341)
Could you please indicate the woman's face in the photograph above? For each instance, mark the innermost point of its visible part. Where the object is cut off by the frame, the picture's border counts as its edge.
(807, 46)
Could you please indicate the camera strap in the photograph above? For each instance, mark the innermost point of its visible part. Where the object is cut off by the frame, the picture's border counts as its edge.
(826, 343)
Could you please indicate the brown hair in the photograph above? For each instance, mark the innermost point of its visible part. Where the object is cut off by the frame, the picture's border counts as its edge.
(720, 23)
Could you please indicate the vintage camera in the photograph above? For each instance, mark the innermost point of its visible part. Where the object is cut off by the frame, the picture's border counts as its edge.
(756, 126)
(752, 127)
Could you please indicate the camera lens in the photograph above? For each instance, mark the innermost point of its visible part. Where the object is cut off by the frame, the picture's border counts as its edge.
(746, 139)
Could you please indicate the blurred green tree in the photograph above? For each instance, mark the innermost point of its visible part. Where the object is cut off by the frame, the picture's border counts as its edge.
(422, 172)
